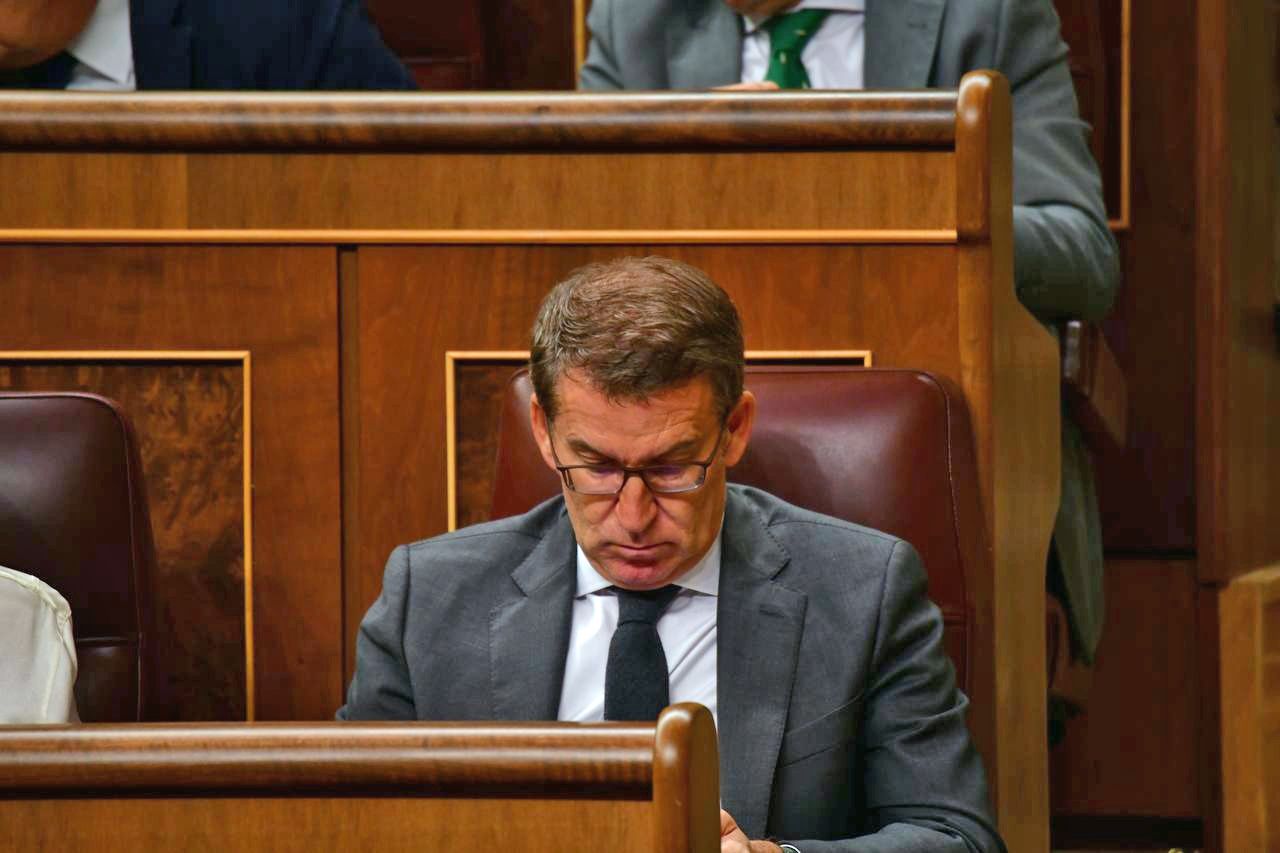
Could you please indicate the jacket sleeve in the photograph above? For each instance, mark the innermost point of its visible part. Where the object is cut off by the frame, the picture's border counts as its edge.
(923, 781)
(600, 69)
(1066, 262)
(380, 688)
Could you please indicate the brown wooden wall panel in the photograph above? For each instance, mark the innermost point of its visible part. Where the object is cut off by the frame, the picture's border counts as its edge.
(443, 44)
(1240, 636)
(1135, 750)
(280, 304)
(480, 386)
(1238, 365)
(1147, 492)
(189, 419)
(306, 824)
(102, 190)
(365, 191)
(416, 303)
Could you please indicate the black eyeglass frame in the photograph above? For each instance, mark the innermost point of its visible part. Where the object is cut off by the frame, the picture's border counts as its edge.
(627, 473)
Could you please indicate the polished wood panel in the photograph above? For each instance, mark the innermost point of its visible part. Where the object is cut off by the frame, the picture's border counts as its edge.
(279, 304)
(165, 121)
(442, 44)
(308, 824)
(529, 786)
(1243, 636)
(337, 191)
(1238, 364)
(1135, 748)
(480, 385)
(1147, 492)
(1009, 372)
(189, 418)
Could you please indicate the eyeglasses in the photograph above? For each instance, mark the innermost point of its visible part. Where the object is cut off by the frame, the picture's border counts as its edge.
(668, 479)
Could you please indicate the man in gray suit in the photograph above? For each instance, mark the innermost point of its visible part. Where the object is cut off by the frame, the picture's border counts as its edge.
(1066, 262)
(651, 580)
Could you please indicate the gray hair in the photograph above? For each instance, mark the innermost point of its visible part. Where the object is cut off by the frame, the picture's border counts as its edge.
(635, 327)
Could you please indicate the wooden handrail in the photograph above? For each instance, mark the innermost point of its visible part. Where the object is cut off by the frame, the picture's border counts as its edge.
(431, 759)
(511, 122)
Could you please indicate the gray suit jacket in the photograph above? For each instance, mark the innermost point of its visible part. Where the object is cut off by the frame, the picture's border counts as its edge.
(1066, 263)
(1065, 258)
(838, 709)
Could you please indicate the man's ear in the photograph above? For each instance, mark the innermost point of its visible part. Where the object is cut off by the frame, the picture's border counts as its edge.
(739, 423)
(541, 433)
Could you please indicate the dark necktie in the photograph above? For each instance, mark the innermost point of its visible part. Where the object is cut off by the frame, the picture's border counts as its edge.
(788, 34)
(53, 73)
(636, 686)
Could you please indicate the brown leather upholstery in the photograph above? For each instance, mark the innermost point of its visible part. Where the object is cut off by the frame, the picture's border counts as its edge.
(891, 449)
(73, 512)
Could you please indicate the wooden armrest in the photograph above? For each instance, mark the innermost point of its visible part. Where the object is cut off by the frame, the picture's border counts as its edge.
(1093, 386)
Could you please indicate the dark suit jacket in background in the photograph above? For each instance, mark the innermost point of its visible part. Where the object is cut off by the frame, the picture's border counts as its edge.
(1066, 263)
(838, 709)
(253, 45)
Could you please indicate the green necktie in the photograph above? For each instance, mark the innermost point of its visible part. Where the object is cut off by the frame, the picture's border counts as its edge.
(788, 34)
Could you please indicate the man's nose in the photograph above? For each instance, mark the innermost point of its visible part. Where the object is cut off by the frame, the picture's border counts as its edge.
(635, 506)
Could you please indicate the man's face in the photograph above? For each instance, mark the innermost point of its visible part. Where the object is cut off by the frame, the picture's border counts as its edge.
(638, 539)
(33, 30)
(760, 8)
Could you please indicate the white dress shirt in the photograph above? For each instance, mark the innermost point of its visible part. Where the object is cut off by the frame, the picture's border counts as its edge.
(832, 57)
(104, 50)
(687, 629)
(37, 652)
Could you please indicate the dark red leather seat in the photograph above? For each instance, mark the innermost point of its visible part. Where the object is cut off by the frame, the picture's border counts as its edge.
(891, 449)
(73, 512)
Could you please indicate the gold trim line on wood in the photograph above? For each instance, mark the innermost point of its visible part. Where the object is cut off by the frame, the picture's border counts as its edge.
(446, 236)
(579, 35)
(516, 357)
(864, 355)
(250, 678)
(127, 355)
(1126, 82)
(244, 358)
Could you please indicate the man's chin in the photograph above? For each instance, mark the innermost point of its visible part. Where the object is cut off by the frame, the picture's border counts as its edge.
(639, 573)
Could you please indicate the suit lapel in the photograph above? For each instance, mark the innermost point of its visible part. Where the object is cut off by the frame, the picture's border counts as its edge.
(161, 45)
(529, 632)
(759, 623)
(902, 37)
(704, 45)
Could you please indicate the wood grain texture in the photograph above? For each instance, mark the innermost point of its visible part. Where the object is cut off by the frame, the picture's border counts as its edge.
(188, 417)
(1246, 705)
(1238, 363)
(481, 759)
(280, 304)
(527, 786)
(1134, 750)
(159, 121)
(1147, 492)
(1008, 369)
(443, 45)
(307, 824)
(480, 388)
(344, 192)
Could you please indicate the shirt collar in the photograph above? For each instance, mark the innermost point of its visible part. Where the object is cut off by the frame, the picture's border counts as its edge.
(106, 44)
(704, 577)
(753, 23)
